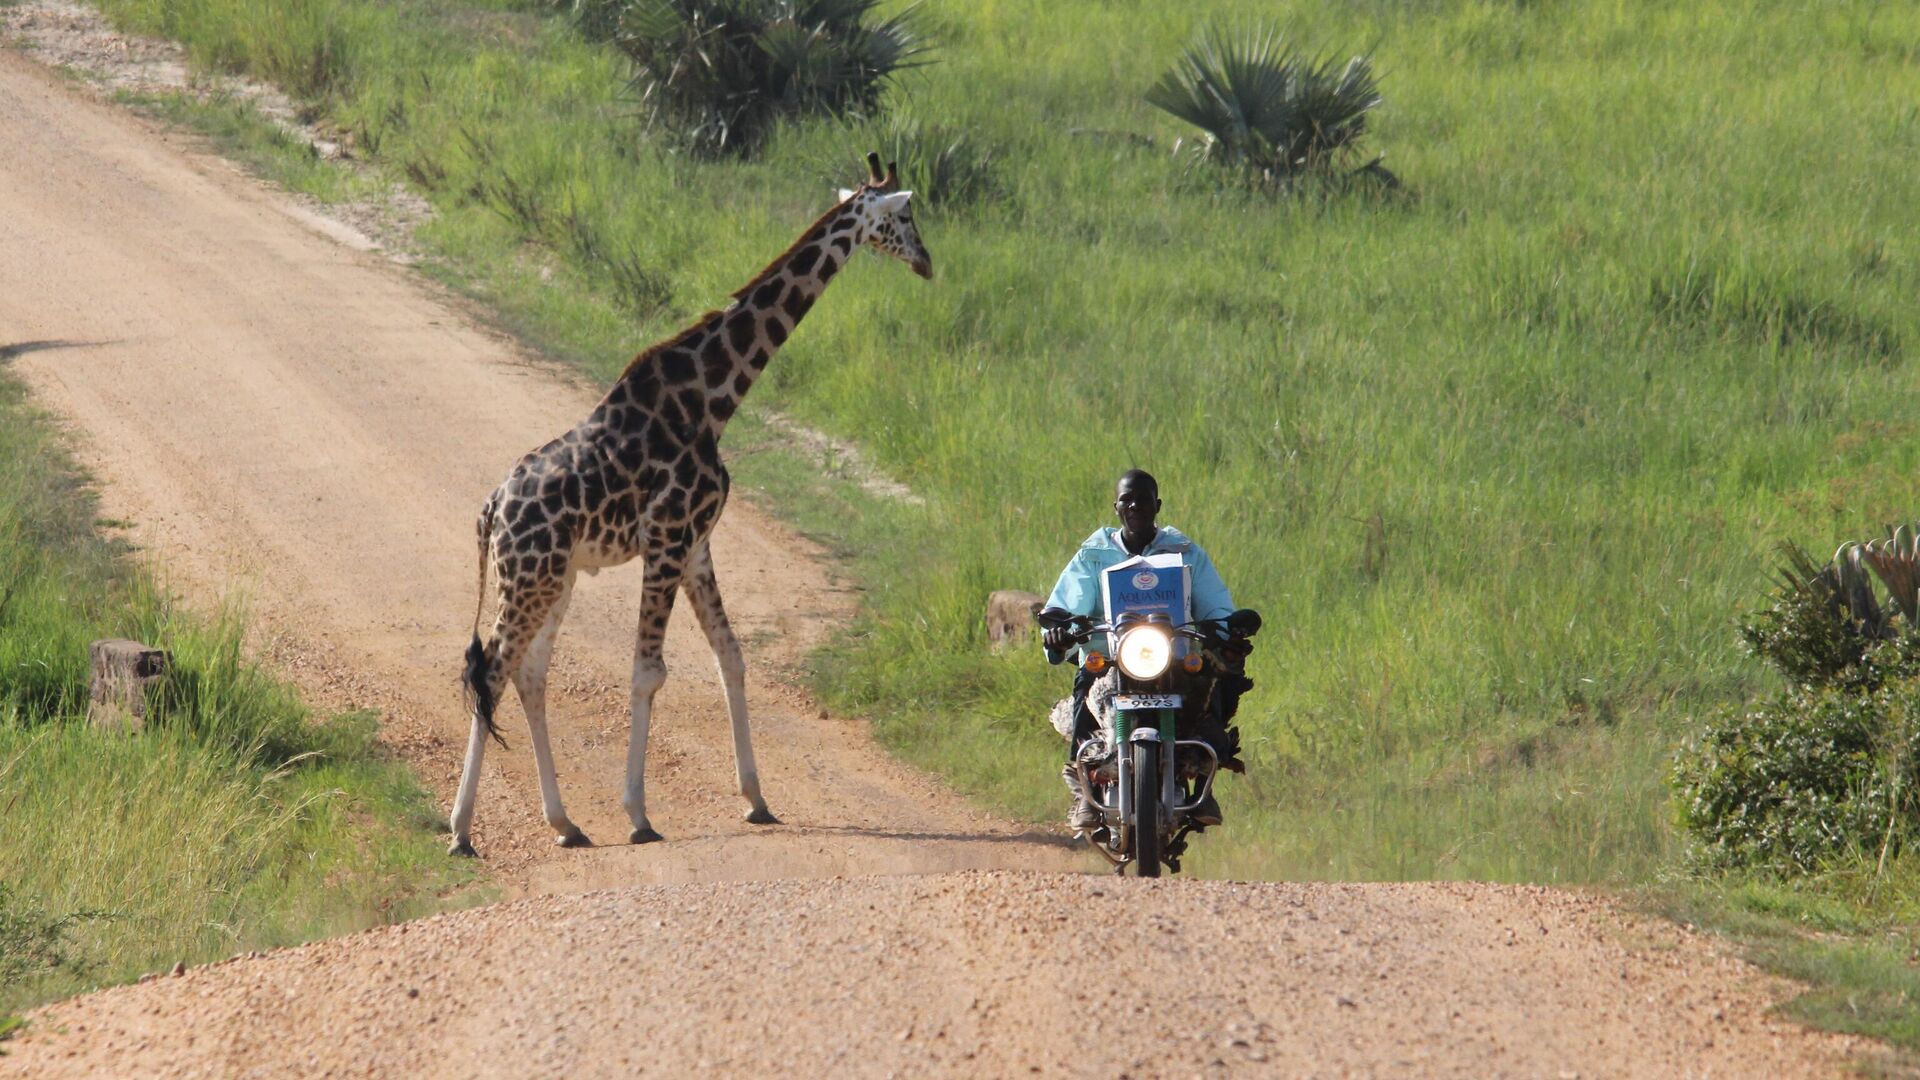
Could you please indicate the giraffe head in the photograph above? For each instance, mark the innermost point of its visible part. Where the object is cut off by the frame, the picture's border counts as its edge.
(885, 220)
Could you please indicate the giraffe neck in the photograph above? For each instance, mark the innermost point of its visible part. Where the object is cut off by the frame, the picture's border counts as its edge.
(699, 377)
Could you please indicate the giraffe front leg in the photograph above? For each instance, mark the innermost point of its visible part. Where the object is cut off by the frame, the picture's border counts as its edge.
(649, 672)
(704, 591)
(530, 679)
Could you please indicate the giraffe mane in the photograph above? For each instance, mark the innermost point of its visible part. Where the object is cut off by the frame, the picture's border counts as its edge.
(699, 324)
(692, 331)
(806, 238)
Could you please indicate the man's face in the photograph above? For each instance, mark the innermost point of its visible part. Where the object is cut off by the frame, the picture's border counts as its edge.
(1137, 503)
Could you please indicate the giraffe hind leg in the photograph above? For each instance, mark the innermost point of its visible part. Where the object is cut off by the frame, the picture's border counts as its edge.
(530, 679)
(704, 593)
(483, 680)
(482, 686)
(513, 654)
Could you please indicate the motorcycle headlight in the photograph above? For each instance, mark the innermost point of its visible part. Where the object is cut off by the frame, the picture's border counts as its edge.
(1145, 652)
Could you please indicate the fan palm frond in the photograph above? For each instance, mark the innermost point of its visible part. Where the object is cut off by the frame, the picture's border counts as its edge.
(1266, 106)
(723, 72)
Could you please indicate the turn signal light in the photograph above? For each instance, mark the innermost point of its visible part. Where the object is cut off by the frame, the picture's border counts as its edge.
(1096, 662)
(1193, 662)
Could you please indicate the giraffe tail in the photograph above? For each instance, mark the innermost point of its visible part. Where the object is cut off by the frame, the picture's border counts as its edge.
(479, 689)
(478, 678)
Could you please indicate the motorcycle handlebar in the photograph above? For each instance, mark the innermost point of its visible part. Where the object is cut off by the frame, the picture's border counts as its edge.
(1242, 624)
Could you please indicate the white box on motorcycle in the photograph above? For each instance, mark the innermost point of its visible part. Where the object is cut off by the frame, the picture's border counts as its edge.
(1145, 584)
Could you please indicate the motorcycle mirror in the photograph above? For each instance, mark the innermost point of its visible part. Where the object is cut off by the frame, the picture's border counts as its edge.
(1245, 622)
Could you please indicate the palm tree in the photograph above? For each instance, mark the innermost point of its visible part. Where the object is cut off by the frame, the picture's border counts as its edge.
(721, 72)
(1266, 107)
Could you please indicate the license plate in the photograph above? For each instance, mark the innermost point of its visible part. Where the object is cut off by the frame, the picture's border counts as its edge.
(1146, 701)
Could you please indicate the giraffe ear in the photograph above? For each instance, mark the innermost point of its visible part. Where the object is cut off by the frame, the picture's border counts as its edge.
(845, 194)
(894, 203)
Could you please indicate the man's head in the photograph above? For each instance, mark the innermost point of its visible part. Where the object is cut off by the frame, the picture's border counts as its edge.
(1136, 499)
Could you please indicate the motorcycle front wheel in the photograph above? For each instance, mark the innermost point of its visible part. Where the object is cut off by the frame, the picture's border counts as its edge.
(1146, 809)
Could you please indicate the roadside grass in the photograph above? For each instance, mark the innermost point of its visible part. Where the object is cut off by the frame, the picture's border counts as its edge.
(1852, 936)
(235, 820)
(240, 131)
(1498, 460)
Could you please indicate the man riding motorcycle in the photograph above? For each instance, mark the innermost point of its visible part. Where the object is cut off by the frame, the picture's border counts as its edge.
(1136, 501)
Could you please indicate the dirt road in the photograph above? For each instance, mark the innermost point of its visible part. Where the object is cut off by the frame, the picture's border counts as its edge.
(285, 413)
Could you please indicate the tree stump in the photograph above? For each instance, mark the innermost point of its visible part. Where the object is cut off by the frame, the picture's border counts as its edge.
(1010, 615)
(123, 671)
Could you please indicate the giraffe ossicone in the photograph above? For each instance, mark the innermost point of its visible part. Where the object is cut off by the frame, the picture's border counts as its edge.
(641, 478)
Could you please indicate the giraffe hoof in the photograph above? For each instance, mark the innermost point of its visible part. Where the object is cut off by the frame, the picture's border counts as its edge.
(644, 835)
(760, 815)
(576, 838)
(463, 848)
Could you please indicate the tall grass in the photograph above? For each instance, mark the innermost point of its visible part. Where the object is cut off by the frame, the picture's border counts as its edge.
(1499, 461)
(233, 821)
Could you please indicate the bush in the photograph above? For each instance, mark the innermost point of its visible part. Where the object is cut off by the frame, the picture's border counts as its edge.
(1268, 110)
(721, 73)
(1829, 766)
(1810, 775)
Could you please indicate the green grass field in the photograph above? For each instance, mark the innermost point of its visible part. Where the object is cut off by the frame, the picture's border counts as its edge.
(234, 821)
(1499, 461)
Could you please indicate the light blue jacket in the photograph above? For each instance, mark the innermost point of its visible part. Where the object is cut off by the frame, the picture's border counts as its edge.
(1078, 589)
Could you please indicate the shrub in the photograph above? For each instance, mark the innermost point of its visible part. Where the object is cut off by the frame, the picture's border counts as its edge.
(1810, 775)
(1829, 766)
(721, 73)
(1267, 109)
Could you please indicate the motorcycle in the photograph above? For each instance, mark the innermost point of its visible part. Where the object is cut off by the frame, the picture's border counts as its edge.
(1157, 677)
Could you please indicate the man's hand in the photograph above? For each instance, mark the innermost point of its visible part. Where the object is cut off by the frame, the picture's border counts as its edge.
(1057, 629)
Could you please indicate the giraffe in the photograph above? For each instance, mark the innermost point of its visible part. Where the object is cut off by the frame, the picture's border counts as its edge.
(641, 477)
